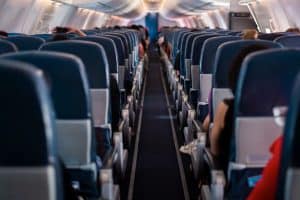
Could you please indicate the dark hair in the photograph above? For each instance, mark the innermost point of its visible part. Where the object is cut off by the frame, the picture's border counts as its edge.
(236, 65)
(59, 37)
(3, 33)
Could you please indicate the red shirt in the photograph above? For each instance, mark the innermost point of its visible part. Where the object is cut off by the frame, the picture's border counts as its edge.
(266, 187)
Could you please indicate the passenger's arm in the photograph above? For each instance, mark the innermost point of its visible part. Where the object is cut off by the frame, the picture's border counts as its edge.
(206, 122)
(219, 123)
(76, 31)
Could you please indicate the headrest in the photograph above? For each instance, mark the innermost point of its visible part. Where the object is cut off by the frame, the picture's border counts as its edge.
(66, 76)
(226, 55)
(25, 43)
(180, 39)
(109, 47)
(27, 135)
(189, 43)
(7, 47)
(124, 41)
(128, 40)
(44, 36)
(197, 47)
(120, 48)
(209, 49)
(266, 80)
(270, 36)
(92, 55)
(292, 41)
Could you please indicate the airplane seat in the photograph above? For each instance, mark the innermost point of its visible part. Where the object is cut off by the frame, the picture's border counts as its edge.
(25, 43)
(235, 33)
(290, 41)
(121, 60)
(45, 36)
(288, 177)
(118, 124)
(207, 59)
(187, 51)
(200, 80)
(270, 36)
(16, 34)
(181, 55)
(7, 47)
(67, 80)
(225, 55)
(94, 58)
(128, 77)
(264, 83)
(90, 32)
(111, 53)
(29, 165)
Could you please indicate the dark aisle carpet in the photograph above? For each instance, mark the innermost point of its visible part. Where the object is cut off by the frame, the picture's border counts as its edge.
(157, 172)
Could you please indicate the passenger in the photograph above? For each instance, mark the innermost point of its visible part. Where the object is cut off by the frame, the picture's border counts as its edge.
(66, 30)
(250, 34)
(267, 185)
(59, 37)
(3, 34)
(293, 30)
(166, 47)
(219, 138)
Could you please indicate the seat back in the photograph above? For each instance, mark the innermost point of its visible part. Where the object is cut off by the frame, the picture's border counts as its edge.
(112, 55)
(70, 93)
(94, 58)
(29, 167)
(120, 48)
(187, 54)
(265, 81)
(270, 36)
(25, 43)
(291, 41)
(225, 55)
(7, 47)
(207, 59)
(288, 179)
(110, 50)
(44, 36)
(199, 79)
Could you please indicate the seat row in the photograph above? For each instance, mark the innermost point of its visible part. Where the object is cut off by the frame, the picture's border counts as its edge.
(75, 103)
(198, 77)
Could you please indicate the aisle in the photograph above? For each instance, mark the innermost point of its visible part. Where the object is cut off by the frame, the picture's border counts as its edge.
(157, 173)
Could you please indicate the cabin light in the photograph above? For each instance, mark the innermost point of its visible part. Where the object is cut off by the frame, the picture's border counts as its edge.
(246, 2)
(268, 30)
(223, 4)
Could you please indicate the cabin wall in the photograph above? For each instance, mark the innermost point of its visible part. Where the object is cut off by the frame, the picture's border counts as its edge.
(40, 16)
(274, 15)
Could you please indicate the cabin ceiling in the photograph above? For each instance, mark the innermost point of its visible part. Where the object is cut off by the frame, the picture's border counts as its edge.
(134, 9)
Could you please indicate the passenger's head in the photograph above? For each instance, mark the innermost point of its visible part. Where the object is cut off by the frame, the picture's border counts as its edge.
(293, 30)
(3, 34)
(59, 37)
(235, 68)
(250, 34)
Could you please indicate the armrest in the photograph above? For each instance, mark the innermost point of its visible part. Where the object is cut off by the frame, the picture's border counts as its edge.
(211, 160)
(218, 184)
(107, 184)
(205, 193)
(197, 125)
(216, 189)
